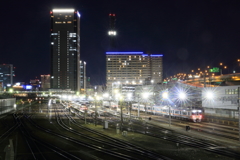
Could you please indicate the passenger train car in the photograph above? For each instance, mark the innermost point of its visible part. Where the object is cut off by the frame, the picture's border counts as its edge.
(194, 115)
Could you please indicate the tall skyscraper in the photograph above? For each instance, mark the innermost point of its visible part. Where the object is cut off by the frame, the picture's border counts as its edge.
(133, 68)
(65, 49)
(112, 32)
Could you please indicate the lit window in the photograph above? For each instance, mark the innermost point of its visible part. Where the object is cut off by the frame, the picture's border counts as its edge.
(108, 59)
(72, 34)
(69, 21)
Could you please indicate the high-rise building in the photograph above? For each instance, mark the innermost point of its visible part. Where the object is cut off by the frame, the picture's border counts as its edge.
(45, 82)
(65, 49)
(112, 32)
(133, 68)
(83, 78)
(6, 75)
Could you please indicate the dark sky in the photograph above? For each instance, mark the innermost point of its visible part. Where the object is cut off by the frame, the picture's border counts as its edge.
(190, 33)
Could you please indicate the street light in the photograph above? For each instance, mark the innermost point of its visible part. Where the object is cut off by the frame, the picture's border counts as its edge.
(96, 98)
(120, 97)
(129, 96)
(145, 97)
(182, 97)
(165, 97)
(117, 97)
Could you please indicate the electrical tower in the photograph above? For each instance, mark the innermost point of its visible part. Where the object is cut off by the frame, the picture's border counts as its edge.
(112, 31)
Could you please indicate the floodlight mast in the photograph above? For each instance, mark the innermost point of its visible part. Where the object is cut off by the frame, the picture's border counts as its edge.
(165, 96)
(182, 96)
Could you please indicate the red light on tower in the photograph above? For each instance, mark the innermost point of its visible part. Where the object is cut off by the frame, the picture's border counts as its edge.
(50, 12)
(110, 14)
(113, 14)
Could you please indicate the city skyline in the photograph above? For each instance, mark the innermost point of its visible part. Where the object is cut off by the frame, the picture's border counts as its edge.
(189, 34)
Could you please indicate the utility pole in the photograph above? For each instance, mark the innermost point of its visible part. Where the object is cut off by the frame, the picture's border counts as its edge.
(239, 112)
(121, 115)
(138, 106)
(95, 121)
(130, 109)
(85, 112)
(204, 79)
(169, 116)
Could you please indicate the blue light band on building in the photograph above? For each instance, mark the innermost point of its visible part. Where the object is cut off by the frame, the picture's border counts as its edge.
(129, 53)
(124, 52)
(156, 55)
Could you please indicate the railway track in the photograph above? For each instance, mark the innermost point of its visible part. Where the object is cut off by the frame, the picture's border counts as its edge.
(136, 151)
(170, 135)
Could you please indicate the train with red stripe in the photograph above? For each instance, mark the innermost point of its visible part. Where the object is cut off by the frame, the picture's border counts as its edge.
(194, 115)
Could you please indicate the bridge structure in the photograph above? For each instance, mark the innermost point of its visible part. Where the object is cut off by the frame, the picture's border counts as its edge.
(216, 80)
(33, 94)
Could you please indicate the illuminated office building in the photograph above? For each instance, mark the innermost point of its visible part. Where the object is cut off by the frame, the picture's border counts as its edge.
(45, 82)
(83, 78)
(65, 49)
(6, 75)
(133, 68)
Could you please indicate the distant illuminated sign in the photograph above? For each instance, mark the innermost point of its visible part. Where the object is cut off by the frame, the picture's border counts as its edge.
(214, 69)
(28, 87)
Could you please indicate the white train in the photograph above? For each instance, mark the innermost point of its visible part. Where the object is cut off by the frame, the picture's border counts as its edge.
(194, 115)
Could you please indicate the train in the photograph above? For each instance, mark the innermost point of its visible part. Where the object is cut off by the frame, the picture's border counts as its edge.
(194, 115)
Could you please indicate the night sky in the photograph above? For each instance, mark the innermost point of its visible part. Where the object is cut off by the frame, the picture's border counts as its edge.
(189, 33)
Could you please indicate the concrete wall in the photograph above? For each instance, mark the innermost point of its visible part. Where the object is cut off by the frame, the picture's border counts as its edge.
(7, 105)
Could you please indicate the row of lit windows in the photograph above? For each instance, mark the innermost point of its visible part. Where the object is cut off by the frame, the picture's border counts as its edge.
(114, 78)
(119, 60)
(132, 70)
(62, 22)
(124, 56)
(231, 91)
(132, 62)
(129, 66)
